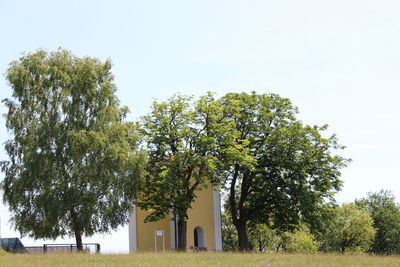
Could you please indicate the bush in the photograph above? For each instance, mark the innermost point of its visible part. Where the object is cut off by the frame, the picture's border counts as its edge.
(300, 241)
(353, 229)
(263, 238)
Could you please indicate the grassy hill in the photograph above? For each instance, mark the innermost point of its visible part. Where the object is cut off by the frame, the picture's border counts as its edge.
(196, 259)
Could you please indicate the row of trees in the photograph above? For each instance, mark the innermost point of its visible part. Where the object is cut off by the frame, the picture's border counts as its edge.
(76, 167)
(371, 224)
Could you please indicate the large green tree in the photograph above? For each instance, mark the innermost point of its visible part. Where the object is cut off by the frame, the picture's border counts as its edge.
(385, 213)
(279, 171)
(180, 135)
(73, 161)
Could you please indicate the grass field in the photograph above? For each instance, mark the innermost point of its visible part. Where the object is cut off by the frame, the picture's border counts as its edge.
(197, 259)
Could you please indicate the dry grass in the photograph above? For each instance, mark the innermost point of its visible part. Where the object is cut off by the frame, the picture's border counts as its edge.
(197, 259)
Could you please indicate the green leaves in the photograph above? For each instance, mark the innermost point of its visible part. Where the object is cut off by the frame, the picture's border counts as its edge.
(73, 161)
(180, 136)
(300, 241)
(386, 217)
(352, 229)
(75, 165)
(278, 169)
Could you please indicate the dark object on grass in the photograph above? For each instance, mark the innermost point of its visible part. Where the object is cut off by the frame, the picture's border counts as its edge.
(13, 245)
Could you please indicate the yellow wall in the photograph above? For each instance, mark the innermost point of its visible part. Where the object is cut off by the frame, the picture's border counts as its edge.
(201, 215)
(145, 232)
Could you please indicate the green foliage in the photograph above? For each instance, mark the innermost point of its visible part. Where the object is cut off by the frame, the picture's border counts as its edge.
(279, 171)
(73, 161)
(386, 216)
(300, 241)
(229, 234)
(181, 141)
(262, 238)
(320, 224)
(352, 230)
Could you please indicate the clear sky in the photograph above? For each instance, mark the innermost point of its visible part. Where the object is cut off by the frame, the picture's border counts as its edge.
(338, 61)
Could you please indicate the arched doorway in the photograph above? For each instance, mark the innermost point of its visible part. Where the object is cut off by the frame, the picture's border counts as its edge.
(199, 240)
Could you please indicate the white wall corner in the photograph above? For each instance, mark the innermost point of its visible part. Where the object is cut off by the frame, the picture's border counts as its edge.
(132, 231)
(217, 220)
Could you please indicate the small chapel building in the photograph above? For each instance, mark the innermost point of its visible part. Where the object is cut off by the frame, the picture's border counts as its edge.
(203, 227)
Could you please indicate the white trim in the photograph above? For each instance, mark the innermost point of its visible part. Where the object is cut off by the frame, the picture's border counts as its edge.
(132, 231)
(217, 220)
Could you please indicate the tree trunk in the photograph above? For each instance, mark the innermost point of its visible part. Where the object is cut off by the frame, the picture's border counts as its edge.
(78, 238)
(182, 230)
(278, 247)
(244, 244)
(239, 224)
(261, 245)
(76, 228)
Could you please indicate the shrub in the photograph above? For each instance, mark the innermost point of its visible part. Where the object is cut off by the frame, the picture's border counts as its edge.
(300, 241)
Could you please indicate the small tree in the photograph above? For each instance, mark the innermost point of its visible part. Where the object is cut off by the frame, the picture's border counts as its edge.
(73, 161)
(386, 216)
(262, 238)
(353, 229)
